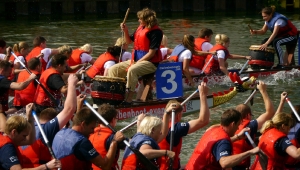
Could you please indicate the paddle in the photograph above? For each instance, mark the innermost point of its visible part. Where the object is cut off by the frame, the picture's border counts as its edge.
(172, 137)
(240, 72)
(126, 15)
(263, 159)
(128, 126)
(251, 96)
(36, 80)
(149, 165)
(44, 135)
(292, 107)
(250, 28)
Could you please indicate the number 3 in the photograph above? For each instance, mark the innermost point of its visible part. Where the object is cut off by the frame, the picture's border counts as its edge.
(170, 80)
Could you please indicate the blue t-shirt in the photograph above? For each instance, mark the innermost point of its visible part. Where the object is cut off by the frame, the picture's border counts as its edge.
(281, 145)
(222, 148)
(181, 129)
(8, 156)
(84, 150)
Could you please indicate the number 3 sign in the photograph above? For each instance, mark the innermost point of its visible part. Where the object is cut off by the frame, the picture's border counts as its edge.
(169, 80)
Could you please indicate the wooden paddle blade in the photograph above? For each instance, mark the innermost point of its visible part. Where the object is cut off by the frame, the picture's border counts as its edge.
(263, 160)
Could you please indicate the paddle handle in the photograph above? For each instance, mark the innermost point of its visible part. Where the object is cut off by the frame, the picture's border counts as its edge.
(244, 66)
(126, 15)
(128, 126)
(250, 27)
(251, 96)
(250, 139)
(172, 129)
(292, 107)
(77, 72)
(204, 68)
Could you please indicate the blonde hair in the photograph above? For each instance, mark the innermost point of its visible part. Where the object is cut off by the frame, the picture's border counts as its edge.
(221, 39)
(188, 42)
(17, 122)
(87, 47)
(148, 123)
(148, 16)
(173, 101)
(277, 121)
(21, 45)
(65, 49)
(120, 41)
(164, 41)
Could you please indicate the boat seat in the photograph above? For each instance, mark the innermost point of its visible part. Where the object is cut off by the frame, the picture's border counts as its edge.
(146, 93)
(290, 50)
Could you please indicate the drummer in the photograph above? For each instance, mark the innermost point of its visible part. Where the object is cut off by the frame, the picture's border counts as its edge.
(104, 62)
(283, 33)
(147, 54)
(218, 65)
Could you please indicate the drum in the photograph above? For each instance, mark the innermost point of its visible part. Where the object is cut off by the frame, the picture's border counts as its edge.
(109, 90)
(261, 59)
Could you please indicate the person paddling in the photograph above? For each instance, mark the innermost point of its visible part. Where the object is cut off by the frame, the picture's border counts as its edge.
(39, 43)
(80, 57)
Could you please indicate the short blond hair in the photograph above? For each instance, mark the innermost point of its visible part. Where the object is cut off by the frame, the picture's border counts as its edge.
(17, 122)
(87, 47)
(221, 39)
(120, 41)
(164, 41)
(65, 49)
(148, 123)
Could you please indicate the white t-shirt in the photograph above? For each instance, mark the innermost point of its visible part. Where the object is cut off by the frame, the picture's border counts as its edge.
(187, 55)
(206, 46)
(126, 56)
(2, 56)
(22, 60)
(85, 58)
(164, 52)
(109, 64)
(220, 54)
(47, 53)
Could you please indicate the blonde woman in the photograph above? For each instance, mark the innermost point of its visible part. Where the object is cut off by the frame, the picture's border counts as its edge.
(183, 53)
(218, 65)
(80, 57)
(46, 53)
(275, 143)
(151, 130)
(125, 54)
(21, 50)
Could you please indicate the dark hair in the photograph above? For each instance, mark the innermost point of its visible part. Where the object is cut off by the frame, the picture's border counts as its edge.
(243, 109)
(33, 63)
(108, 112)
(5, 64)
(114, 50)
(297, 108)
(205, 32)
(58, 59)
(229, 116)
(268, 10)
(38, 41)
(2, 43)
(86, 115)
(48, 114)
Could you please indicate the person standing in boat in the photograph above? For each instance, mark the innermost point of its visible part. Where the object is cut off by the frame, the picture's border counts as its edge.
(19, 132)
(202, 43)
(102, 136)
(26, 96)
(275, 143)
(218, 65)
(104, 62)
(80, 57)
(146, 55)
(214, 150)
(184, 53)
(5, 84)
(39, 43)
(73, 148)
(244, 145)
(182, 129)
(283, 33)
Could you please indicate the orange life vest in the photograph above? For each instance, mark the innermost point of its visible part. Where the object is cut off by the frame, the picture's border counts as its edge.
(98, 66)
(241, 146)
(202, 157)
(198, 61)
(98, 139)
(266, 144)
(25, 96)
(12, 60)
(41, 97)
(34, 53)
(75, 58)
(4, 140)
(214, 66)
(165, 145)
(35, 154)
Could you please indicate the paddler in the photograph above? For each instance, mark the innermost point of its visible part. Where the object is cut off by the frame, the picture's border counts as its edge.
(146, 56)
(39, 43)
(2, 50)
(81, 57)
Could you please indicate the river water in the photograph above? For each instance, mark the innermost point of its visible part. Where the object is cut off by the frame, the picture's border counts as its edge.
(103, 33)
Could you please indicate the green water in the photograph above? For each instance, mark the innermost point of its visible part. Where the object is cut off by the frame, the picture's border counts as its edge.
(103, 33)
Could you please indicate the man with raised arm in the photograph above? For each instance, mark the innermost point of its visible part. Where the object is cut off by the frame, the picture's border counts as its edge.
(243, 145)
(182, 129)
(37, 153)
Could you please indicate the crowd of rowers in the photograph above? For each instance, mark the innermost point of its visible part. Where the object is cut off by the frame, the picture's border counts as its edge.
(74, 148)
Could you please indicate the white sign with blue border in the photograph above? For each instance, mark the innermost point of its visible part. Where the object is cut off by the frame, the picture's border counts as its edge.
(169, 80)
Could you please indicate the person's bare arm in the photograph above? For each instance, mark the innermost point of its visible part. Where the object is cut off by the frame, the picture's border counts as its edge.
(186, 71)
(270, 111)
(2, 119)
(222, 66)
(151, 153)
(203, 117)
(24, 84)
(236, 56)
(70, 104)
(261, 31)
(293, 151)
(148, 56)
(126, 33)
(17, 67)
(53, 164)
(64, 89)
(31, 137)
(80, 100)
(282, 101)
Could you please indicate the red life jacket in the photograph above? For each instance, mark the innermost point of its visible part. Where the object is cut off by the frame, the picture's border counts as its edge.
(64, 150)
(290, 160)
(25, 96)
(35, 154)
(241, 146)
(98, 66)
(75, 59)
(41, 97)
(98, 139)
(202, 157)
(4, 140)
(34, 53)
(4, 97)
(198, 61)
(165, 145)
(214, 66)
(266, 144)
(130, 161)
(12, 60)
(142, 44)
